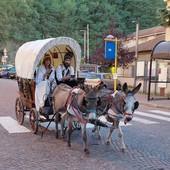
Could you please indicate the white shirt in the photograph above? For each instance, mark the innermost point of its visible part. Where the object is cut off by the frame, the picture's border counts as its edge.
(61, 69)
(41, 71)
(42, 89)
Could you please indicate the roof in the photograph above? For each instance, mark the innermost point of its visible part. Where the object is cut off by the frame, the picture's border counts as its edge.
(29, 54)
(150, 31)
(148, 45)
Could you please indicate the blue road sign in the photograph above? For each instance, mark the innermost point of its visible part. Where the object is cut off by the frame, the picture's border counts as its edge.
(110, 49)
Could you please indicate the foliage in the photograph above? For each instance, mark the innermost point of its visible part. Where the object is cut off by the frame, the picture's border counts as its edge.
(27, 20)
(164, 16)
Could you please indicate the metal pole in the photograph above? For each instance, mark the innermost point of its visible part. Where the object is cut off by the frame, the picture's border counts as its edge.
(137, 38)
(85, 59)
(84, 46)
(115, 63)
(87, 43)
(136, 50)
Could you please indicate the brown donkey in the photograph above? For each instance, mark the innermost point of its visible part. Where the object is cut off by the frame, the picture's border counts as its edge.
(75, 104)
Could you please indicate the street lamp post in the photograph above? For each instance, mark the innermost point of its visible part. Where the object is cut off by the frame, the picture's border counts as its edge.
(85, 58)
(136, 48)
(88, 44)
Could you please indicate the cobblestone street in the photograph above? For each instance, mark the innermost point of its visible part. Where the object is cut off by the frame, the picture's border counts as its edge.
(147, 145)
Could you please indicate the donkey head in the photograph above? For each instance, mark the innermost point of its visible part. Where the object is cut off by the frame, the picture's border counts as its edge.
(91, 101)
(130, 103)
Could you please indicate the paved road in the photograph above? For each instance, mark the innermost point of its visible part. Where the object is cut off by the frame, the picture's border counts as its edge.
(147, 141)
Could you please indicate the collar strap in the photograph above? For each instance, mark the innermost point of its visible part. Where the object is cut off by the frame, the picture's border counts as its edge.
(91, 110)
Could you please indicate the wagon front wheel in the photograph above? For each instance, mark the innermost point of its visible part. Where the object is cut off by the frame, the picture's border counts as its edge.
(33, 120)
(19, 110)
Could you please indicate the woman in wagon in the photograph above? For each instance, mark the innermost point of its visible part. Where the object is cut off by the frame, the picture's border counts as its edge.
(44, 78)
(65, 72)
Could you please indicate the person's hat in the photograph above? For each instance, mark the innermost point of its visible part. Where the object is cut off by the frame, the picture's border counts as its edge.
(46, 56)
(67, 57)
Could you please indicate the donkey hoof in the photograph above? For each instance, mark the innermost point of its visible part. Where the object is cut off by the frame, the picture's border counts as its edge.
(87, 152)
(99, 138)
(93, 130)
(69, 145)
(123, 149)
(56, 135)
(107, 142)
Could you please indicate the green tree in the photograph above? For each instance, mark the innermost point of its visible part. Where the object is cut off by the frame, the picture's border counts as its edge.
(124, 57)
(25, 20)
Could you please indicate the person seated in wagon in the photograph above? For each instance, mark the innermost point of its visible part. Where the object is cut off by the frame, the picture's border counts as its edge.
(44, 77)
(65, 72)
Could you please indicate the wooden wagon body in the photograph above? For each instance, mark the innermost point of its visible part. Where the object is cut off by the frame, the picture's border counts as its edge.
(28, 57)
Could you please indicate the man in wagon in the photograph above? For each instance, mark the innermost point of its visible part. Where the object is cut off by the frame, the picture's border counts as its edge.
(65, 72)
(44, 77)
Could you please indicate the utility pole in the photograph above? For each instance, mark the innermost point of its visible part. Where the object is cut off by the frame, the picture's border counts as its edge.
(88, 58)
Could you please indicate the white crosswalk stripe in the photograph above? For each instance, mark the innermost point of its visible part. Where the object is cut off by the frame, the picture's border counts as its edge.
(160, 112)
(152, 116)
(12, 125)
(148, 117)
(144, 121)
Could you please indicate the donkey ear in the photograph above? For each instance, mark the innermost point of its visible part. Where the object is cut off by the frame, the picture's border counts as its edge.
(119, 87)
(125, 87)
(136, 89)
(87, 88)
(83, 86)
(99, 86)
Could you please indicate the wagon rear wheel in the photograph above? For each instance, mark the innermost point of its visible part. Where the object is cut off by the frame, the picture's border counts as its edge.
(19, 110)
(33, 120)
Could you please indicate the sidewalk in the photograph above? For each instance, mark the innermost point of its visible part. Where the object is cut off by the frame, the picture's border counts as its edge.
(161, 103)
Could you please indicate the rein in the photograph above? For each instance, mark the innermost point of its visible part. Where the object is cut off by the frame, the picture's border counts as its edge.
(76, 109)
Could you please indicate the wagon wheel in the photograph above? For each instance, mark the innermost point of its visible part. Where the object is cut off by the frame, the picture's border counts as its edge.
(19, 110)
(33, 120)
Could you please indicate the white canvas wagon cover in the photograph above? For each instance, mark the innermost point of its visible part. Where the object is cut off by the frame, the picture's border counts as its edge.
(30, 53)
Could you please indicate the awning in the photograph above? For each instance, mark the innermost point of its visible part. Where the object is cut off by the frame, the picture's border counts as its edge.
(161, 51)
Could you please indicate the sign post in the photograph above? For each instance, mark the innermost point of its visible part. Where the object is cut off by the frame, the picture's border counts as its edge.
(111, 53)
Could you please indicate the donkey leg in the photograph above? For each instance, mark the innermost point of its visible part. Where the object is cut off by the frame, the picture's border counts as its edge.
(120, 134)
(62, 128)
(98, 132)
(94, 128)
(84, 137)
(56, 124)
(69, 132)
(107, 141)
(64, 116)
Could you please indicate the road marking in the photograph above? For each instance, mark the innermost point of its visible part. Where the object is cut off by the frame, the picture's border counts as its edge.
(12, 125)
(160, 112)
(89, 125)
(152, 116)
(144, 121)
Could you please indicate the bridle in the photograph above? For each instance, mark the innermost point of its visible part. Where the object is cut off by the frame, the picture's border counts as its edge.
(120, 110)
(81, 112)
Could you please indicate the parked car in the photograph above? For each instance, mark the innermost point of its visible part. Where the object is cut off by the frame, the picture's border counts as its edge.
(96, 78)
(4, 71)
(84, 73)
(12, 73)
